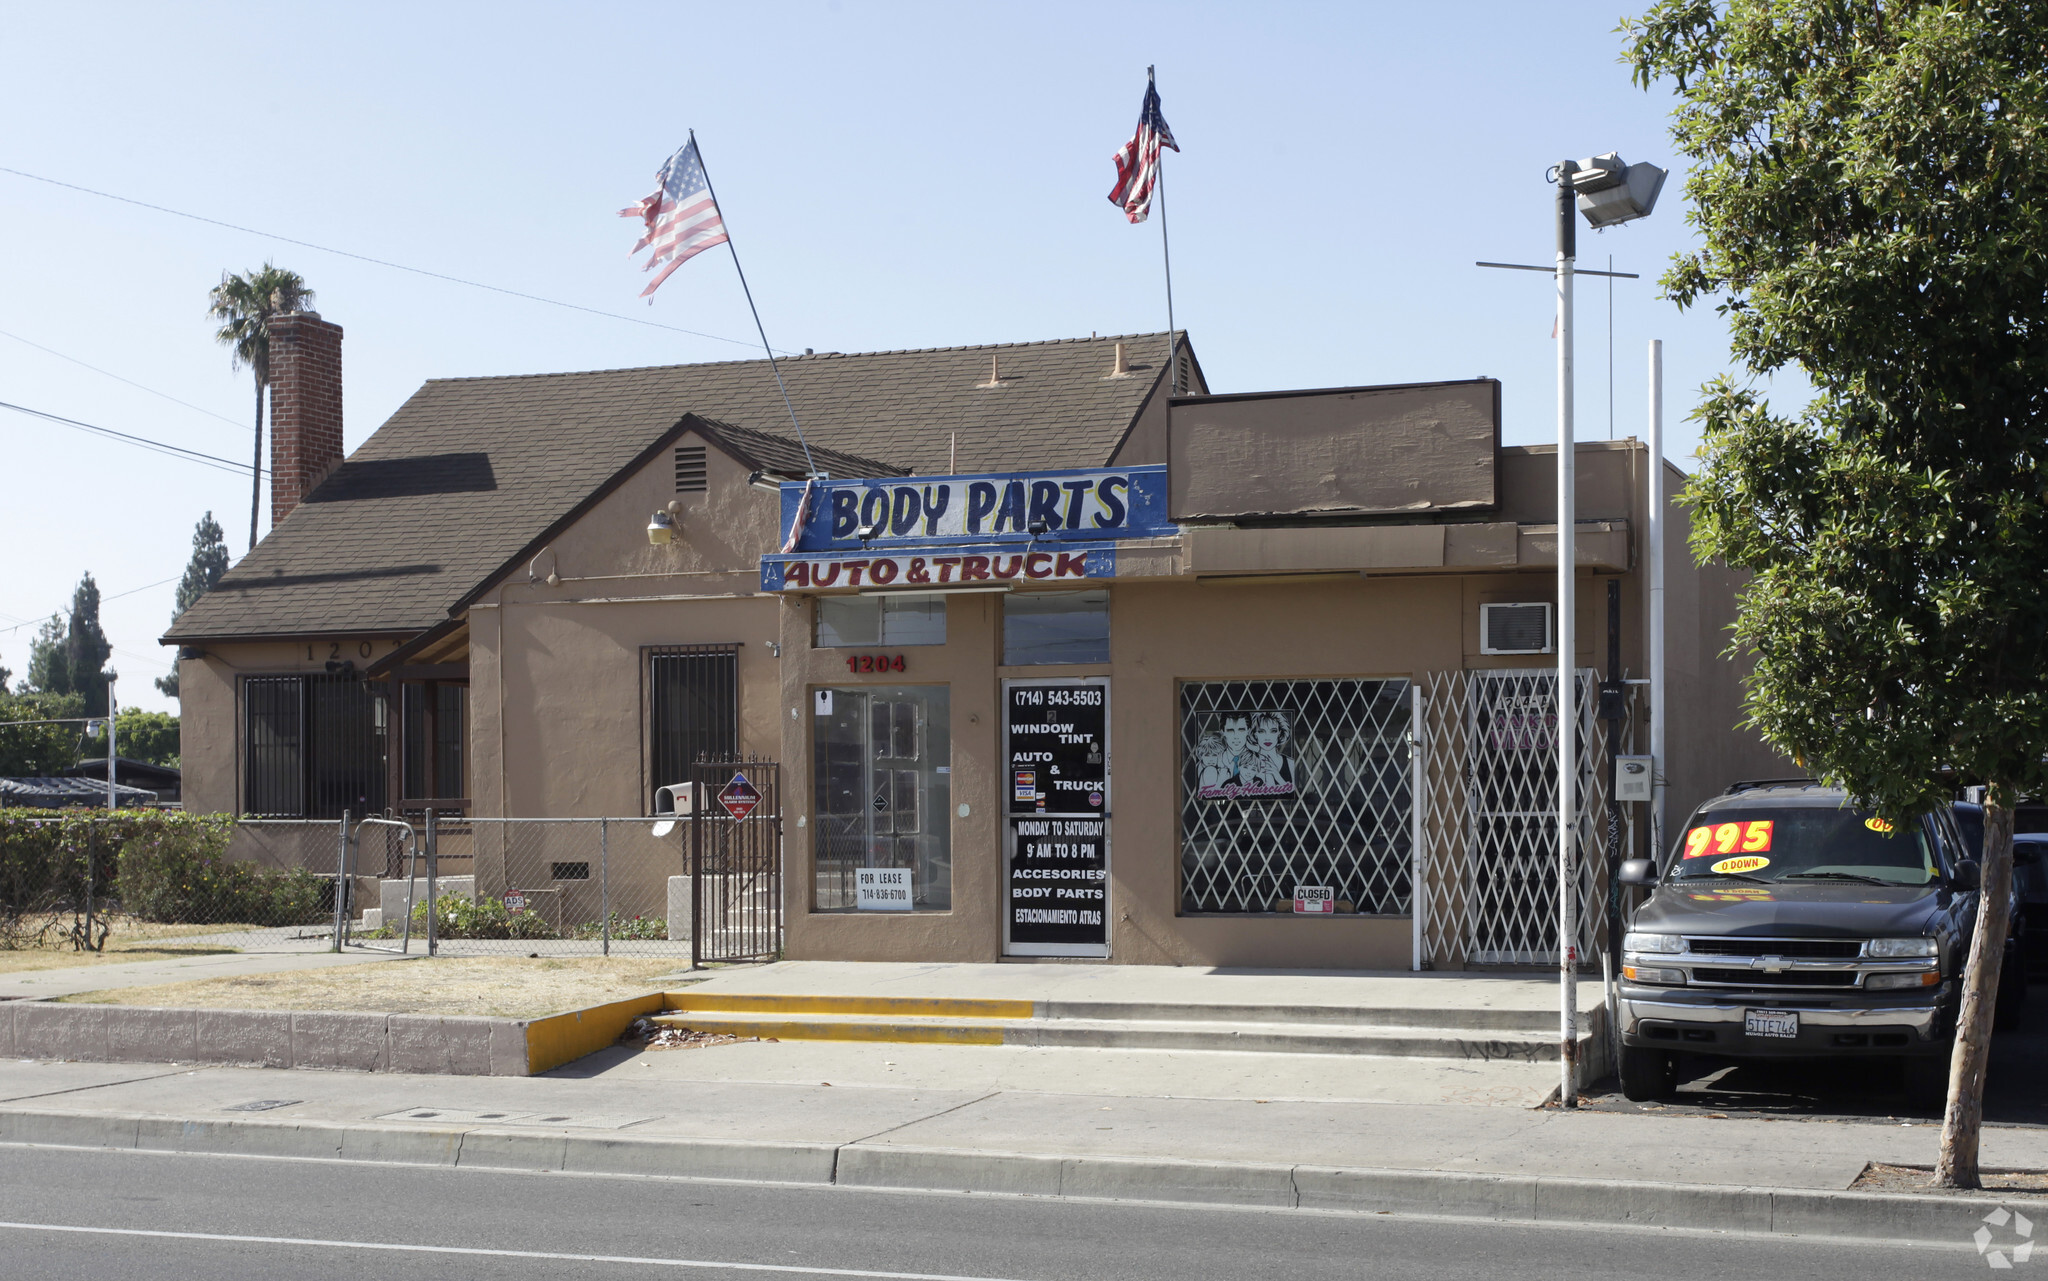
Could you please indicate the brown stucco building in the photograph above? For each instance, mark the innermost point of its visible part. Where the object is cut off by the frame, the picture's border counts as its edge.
(1055, 663)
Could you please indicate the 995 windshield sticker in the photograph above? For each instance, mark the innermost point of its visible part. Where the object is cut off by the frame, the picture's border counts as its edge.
(1753, 837)
(1744, 863)
(1877, 825)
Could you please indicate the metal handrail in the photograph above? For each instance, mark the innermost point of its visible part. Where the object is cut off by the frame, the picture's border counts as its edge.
(412, 848)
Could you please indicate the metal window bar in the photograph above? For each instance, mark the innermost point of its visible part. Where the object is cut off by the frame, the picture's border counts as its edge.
(313, 746)
(1489, 746)
(693, 710)
(1345, 826)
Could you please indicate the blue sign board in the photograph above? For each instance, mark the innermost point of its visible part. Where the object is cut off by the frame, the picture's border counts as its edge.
(997, 507)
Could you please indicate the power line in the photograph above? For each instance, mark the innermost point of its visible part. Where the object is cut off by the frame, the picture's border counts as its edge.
(380, 262)
(119, 379)
(175, 451)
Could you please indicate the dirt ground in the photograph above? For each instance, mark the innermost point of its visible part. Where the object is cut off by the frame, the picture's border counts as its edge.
(500, 986)
(22, 960)
(1878, 1177)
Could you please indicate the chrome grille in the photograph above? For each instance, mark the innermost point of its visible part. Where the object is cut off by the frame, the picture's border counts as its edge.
(1812, 949)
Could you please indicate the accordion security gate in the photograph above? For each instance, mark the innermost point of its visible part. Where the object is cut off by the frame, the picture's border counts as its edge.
(1488, 856)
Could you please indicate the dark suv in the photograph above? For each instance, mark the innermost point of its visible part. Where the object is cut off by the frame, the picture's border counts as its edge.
(1789, 922)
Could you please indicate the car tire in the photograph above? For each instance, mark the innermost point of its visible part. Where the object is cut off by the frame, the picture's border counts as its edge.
(1647, 1074)
(2012, 996)
(1926, 1081)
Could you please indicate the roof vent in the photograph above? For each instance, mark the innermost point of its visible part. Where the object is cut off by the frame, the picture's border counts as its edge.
(690, 470)
(1515, 629)
(1122, 367)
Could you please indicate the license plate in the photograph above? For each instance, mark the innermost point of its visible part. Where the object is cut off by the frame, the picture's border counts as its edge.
(1778, 1023)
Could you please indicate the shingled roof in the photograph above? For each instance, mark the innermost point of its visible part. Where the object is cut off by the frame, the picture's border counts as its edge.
(469, 471)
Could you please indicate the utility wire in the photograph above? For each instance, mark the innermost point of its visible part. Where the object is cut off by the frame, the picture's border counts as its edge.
(175, 451)
(380, 262)
(119, 379)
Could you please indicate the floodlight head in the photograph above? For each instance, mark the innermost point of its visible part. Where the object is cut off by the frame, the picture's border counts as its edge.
(1611, 191)
(1039, 528)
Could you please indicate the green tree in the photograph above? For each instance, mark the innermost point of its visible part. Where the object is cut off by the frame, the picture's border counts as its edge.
(244, 306)
(209, 561)
(138, 736)
(86, 648)
(69, 654)
(39, 750)
(49, 664)
(1871, 197)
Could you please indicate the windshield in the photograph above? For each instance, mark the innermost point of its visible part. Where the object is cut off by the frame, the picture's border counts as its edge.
(1801, 844)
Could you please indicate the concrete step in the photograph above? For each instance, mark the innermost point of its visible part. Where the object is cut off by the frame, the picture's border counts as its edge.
(1383, 1040)
(1488, 1019)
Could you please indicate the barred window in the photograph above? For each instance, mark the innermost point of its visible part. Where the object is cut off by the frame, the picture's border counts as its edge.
(1289, 785)
(313, 746)
(693, 709)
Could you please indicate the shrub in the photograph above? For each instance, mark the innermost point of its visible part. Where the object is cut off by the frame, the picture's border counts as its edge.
(626, 927)
(179, 872)
(461, 918)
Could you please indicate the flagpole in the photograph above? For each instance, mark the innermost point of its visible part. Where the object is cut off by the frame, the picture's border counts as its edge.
(1166, 248)
(773, 367)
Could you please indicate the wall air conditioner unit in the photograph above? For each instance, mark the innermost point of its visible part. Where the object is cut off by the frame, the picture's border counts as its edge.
(1515, 629)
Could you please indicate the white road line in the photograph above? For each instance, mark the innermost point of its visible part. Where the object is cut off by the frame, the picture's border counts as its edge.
(718, 1264)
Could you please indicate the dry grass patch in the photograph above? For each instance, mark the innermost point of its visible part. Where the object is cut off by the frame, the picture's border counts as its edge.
(22, 960)
(499, 986)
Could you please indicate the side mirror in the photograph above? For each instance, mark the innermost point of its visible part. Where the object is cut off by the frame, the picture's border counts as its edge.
(1638, 871)
(1969, 875)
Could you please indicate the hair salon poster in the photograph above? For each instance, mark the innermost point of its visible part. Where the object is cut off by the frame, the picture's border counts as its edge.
(1245, 755)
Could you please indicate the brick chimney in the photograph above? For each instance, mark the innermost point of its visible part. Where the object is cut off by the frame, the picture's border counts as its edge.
(305, 407)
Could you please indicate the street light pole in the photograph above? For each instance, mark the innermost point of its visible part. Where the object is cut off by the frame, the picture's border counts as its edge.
(1567, 649)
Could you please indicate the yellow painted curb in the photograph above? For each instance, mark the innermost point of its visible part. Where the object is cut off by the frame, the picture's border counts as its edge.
(912, 1033)
(932, 1007)
(564, 1038)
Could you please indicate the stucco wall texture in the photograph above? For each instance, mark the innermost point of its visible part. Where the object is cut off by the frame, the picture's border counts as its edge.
(557, 675)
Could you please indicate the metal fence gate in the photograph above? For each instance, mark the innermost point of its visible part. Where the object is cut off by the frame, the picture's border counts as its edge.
(735, 861)
(1489, 819)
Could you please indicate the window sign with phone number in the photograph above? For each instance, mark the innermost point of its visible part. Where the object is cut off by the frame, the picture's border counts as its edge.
(1753, 837)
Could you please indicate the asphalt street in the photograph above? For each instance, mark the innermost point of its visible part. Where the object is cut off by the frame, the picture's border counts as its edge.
(74, 1213)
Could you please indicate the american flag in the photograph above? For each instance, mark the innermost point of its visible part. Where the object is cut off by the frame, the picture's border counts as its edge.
(1137, 162)
(682, 218)
(803, 515)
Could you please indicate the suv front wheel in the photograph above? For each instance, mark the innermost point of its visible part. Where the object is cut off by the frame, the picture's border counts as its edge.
(1647, 1074)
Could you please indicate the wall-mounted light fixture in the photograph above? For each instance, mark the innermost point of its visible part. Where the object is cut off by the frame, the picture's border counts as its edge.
(664, 525)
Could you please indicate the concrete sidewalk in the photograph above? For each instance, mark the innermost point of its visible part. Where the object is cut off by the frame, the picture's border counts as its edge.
(1134, 1128)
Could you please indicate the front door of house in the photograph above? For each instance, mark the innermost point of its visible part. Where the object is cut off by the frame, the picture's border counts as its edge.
(1056, 817)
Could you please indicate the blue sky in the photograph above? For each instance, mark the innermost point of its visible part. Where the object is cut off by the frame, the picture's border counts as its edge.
(895, 175)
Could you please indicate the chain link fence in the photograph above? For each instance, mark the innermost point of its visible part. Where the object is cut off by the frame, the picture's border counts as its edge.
(152, 880)
(148, 880)
(525, 887)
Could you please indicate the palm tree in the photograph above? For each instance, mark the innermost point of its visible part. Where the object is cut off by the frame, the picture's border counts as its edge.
(244, 305)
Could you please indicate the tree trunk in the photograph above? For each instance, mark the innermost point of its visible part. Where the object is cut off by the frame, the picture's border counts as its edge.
(256, 468)
(1964, 1118)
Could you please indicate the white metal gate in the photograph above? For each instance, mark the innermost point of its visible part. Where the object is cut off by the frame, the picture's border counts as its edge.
(1489, 820)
